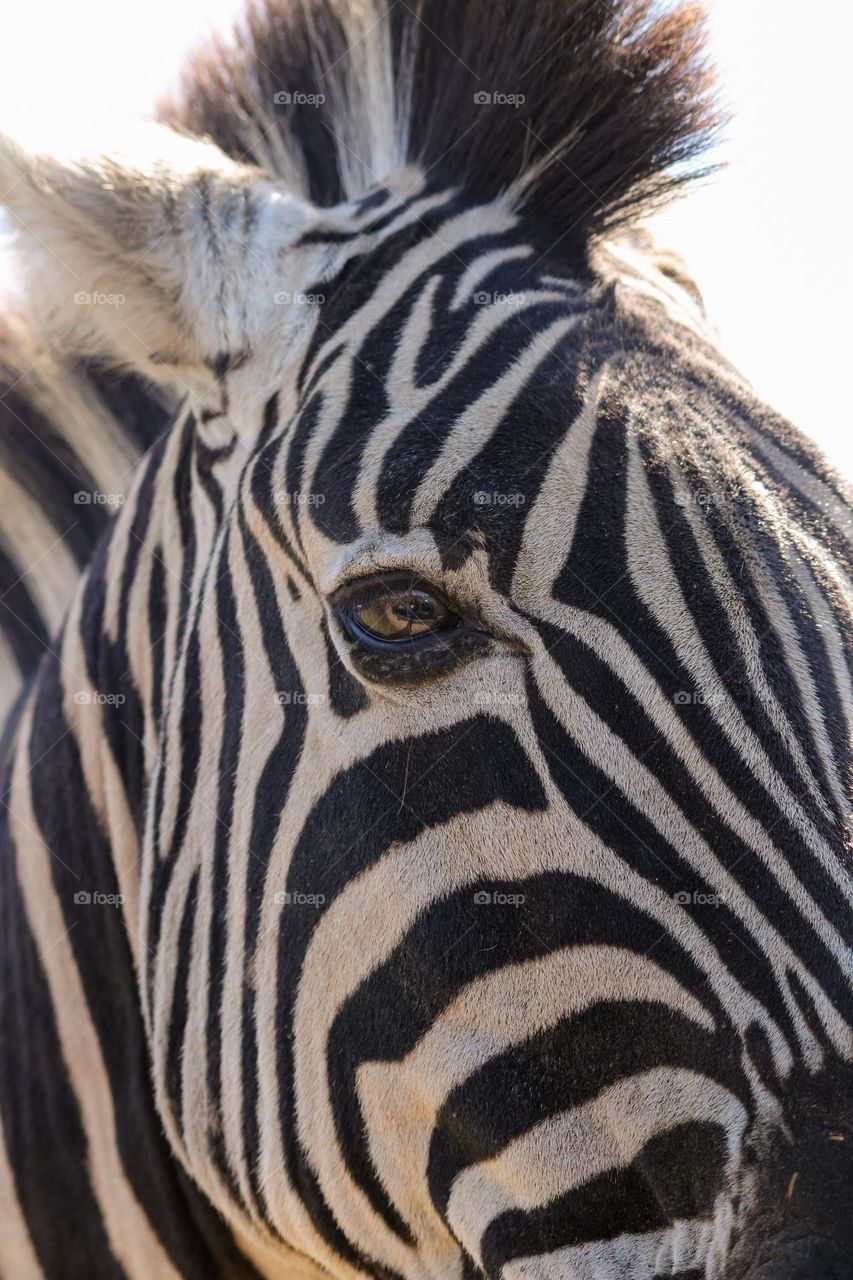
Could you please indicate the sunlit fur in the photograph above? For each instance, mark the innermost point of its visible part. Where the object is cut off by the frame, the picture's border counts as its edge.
(303, 1043)
(66, 463)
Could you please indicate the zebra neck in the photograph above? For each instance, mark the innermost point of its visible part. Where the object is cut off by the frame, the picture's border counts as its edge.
(78, 1124)
(71, 434)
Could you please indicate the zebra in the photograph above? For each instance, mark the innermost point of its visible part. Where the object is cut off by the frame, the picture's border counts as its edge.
(424, 838)
(67, 461)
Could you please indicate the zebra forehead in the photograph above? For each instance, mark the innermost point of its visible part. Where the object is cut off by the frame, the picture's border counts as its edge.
(452, 365)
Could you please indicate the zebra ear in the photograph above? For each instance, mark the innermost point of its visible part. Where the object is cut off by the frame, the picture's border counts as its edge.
(164, 255)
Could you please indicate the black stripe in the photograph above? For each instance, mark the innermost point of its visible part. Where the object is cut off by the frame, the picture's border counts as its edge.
(176, 1062)
(268, 501)
(234, 669)
(532, 426)
(269, 800)
(21, 621)
(346, 694)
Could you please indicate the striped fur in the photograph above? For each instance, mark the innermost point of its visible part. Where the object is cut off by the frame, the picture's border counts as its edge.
(521, 952)
(70, 435)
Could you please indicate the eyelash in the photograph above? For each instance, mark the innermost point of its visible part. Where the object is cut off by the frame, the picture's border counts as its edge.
(410, 659)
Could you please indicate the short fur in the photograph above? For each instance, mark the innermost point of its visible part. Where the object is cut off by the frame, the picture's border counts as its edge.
(519, 952)
(70, 434)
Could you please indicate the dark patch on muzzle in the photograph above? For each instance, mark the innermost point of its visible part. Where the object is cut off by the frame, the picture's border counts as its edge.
(802, 1224)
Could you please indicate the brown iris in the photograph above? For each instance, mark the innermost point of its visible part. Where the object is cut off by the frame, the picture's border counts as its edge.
(404, 614)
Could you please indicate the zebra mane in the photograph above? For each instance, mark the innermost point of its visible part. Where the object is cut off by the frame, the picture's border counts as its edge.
(584, 114)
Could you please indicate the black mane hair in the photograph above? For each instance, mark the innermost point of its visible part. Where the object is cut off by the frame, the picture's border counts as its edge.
(596, 111)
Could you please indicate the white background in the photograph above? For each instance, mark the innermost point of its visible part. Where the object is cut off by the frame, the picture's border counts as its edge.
(767, 239)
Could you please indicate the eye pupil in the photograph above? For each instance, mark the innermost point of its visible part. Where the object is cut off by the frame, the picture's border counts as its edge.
(403, 615)
(415, 610)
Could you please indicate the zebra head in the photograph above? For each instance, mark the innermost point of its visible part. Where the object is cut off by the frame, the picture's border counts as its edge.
(471, 669)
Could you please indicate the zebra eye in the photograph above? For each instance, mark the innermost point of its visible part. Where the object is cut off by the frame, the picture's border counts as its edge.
(396, 612)
(402, 630)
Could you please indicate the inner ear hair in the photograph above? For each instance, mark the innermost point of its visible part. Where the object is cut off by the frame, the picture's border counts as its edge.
(154, 256)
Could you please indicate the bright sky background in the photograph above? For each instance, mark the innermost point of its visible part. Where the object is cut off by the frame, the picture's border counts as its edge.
(768, 240)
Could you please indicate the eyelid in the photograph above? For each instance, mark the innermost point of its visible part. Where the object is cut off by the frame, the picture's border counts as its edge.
(366, 590)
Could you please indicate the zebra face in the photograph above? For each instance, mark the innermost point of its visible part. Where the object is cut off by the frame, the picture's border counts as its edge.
(488, 899)
(459, 968)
